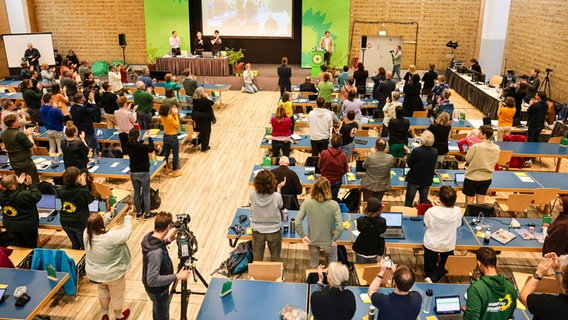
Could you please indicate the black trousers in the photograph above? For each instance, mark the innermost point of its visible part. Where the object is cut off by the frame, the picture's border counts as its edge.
(123, 137)
(176, 51)
(327, 57)
(434, 267)
(26, 239)
(318, 146)
(278, 145)
(204, 129)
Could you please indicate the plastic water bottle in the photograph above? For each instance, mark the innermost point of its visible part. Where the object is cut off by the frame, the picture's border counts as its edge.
(285, 215)
(371, 314)
(427, 301)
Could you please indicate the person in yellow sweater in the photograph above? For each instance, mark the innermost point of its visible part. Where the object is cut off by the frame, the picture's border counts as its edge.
(286, 102)
(170, 121)
(505, 117)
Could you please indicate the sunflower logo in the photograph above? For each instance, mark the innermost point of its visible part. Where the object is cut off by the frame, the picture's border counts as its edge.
(10, 211)
(509, 302)
(68, 207)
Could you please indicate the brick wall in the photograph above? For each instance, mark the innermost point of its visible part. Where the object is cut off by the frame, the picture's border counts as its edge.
(91, 28)
(537, 38)
(438, 21)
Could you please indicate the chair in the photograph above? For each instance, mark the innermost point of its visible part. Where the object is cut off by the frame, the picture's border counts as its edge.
(548, 284)
(61, 262)
(194, 135)
(362, 133)
(554, 140)
(367, 272)
(460, 265)
(504, 159)
(496, 80)
(519, 202)
(266, 271)
(99, 125)
(543, 196)
(40, 151)
(459, 136)
(406, 211)
(159, 90)
(420, 114)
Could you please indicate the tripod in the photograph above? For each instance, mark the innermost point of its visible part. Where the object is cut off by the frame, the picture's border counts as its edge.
(545, 86)
(187, 263)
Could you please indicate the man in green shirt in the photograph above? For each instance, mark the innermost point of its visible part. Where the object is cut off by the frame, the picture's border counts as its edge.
(325, 89)
(492, 297)
(145, 102)
(19, 146)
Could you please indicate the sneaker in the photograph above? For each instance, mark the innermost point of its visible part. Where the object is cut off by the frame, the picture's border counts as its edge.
(150, 216)
(177, 173)
(528, 163)
(427, 280)
(125, 315)
(139, 215)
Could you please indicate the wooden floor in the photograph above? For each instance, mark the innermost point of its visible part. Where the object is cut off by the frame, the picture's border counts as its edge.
(214, 184)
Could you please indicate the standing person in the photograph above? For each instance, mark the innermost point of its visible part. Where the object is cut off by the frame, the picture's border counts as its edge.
(342, 79)
(537, 115)
(320, 122)
(266, 221)
(145, 102)
(438, 89)
(398, 134)
(505, 116)
(32, 97)
(369, 244)
(75, 199)
(326, 43)
(57, 58)
(429, 79)
(533, 84)
(377, 78)
(115, 80)
(475, 65)
(546, 306)
(441, 129)
(493, 296)
(19, 146)
(284, 75)
(125, 120)
(145, 77)
(402, 303)
(8, 107)
(175, 43)
(170, 81)
(376, 180)
(441, 223)
(60, 98)
(68, 84)
(198, 44)
(422, 164)
(481, 159)
(324, 218)
(333, 301)
(348, 132)
(75, 149)
(53, 120)
(412, 101)
(396, 56)
(444, 104)
(408, 75)
(286, 102)
(189, 85)
(47, 76)
(170, 120)
(360, 75)
(157, 267)
(170, 99)
(293, 186)
(248, 78)
(518, 92)
(82, 117)
(325, 90)
(385, 89)
(32, 55)
(123, 73)
(347, 89)
(557, 232)
(72, 57)
(203, 116)
(389, 111)
(107, 260)
(140, 171)
(216, 42)
(281, 132)
(19, 198)
(333, 165)
(109, 105)
(353, 104)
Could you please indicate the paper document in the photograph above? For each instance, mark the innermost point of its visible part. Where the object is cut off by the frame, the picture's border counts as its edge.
(93, 169)
(526, 179)
(114, 165)
(296, 137)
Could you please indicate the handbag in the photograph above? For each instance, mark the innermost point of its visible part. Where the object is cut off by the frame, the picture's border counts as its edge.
(474, 210)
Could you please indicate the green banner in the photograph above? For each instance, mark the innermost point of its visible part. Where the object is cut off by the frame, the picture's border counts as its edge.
(162, 17)
(319, 16)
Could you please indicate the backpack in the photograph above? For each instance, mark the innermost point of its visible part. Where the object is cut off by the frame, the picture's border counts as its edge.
(351, 200)
(155, 200)
(238, 260)
(112, 153)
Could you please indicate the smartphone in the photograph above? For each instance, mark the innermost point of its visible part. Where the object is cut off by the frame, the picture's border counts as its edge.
(388, 261)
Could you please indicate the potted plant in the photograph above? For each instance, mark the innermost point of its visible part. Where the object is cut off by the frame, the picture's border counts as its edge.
(234, 58)
(151, 55)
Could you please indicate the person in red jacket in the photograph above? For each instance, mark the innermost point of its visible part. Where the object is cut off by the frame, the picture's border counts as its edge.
(281, 132)
(333, 164)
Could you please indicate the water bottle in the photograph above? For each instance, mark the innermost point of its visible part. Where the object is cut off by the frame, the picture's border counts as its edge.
(427, 301)
(371, 314)
(285, 215)
(487, 236)
(36, 128)
(292, 226)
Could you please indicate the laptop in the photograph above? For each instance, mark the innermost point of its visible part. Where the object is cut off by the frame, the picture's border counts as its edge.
(394, 225)
(448, 308)
(459, 178)
(4, 162)
(359, 170)
(94, 206)
(46, 205)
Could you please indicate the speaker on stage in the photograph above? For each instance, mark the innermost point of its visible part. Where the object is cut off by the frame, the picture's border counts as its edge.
(122, 39)
(364, 42)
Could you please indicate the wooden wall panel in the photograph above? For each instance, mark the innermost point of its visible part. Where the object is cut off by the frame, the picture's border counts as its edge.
(537, 38)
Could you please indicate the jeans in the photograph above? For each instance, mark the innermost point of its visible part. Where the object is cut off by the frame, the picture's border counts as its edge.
(93, 143)
(348, 149)
(144, 120)
(171, 142)
(55, 138)
(361, 259)
(160, 305)
(277, 145)
(75, 234)
(396, 70)
(533, 134)
(250, 88)
(274, 241)
(434, 268)
(141, 181)
(189, 100)
(313, 251)
(411, 189)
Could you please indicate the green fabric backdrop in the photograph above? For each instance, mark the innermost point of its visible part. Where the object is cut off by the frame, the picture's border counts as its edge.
(162, 17)
(319, 16)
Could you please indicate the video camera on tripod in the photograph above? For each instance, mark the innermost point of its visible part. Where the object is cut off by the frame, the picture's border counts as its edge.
(186, 241)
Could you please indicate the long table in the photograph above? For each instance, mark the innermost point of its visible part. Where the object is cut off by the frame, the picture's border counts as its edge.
(198, 66)
(49, 172)
(252, 299)
(481, 96)
(116, 168)
(39, 288)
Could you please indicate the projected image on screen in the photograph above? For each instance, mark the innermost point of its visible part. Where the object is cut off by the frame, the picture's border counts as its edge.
(248, 18)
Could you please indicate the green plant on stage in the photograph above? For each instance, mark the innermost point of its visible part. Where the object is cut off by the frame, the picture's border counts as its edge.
(235, 56)
(151, 54)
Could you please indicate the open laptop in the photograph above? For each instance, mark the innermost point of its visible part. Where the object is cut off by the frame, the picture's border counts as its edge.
(46, 205)
(94, 206)
(4, 162)
(459, 178)
(448, 308)
(394, 225)
(359, 169)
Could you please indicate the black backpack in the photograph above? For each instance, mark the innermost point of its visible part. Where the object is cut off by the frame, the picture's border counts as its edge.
(351, 200)
(155, 200)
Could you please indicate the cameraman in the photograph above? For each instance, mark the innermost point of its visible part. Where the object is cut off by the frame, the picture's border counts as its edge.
(157, 267)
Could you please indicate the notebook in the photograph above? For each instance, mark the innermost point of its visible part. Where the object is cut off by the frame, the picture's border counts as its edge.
(448, 307)
(46, 205)
(94, 206)
(394, 225)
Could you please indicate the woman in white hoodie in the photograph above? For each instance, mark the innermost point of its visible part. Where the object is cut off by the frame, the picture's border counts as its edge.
(441, 223)
(266, 218)
(107, 261)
